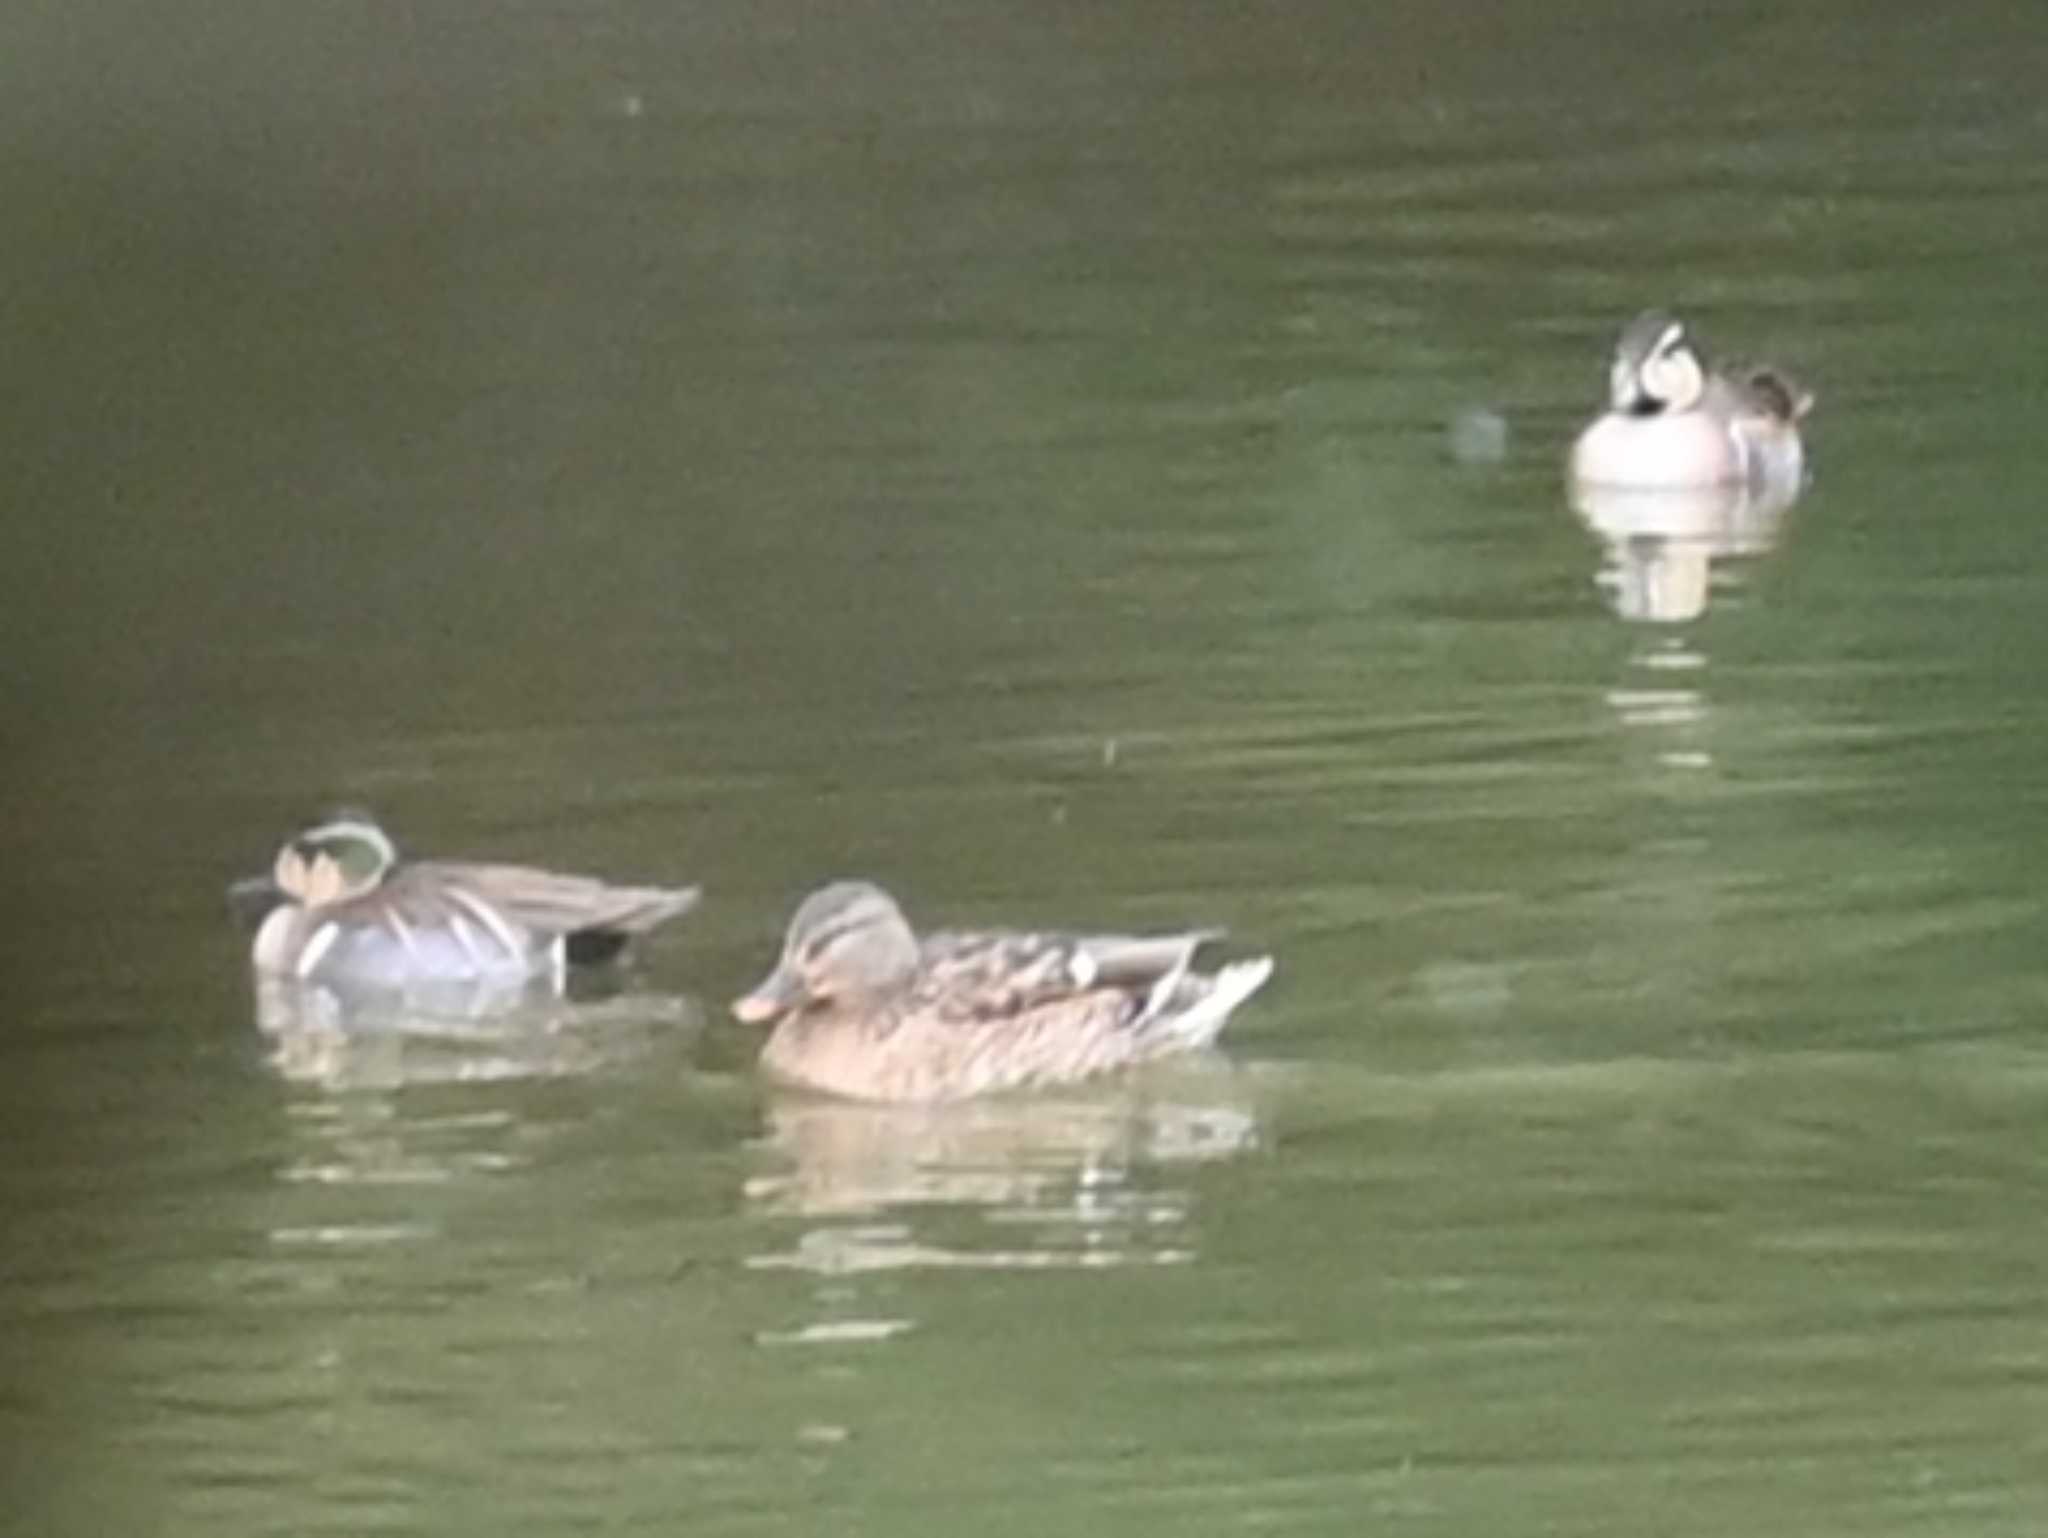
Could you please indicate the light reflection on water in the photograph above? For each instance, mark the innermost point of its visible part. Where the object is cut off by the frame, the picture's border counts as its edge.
(368, 1139)
(1667, 555)
(1669, 706)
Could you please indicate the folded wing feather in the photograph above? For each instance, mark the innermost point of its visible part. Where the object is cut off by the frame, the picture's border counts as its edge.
(550, 903)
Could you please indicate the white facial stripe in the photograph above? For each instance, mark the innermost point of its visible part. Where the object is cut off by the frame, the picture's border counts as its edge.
(1674, 335)
(351, 830)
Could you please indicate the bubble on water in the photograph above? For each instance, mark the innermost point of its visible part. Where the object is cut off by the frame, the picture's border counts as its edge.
(1478, 436)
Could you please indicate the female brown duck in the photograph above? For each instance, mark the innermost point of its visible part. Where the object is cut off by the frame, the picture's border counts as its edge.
(866, 1010)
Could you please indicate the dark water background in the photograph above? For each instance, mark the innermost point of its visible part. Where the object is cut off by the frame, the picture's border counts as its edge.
(1003, 450)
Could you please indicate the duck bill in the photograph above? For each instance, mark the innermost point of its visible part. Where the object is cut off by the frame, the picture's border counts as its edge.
(251, 899)
(776, 994)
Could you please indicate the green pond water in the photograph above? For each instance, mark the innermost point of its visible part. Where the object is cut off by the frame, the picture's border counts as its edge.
(1013, 452)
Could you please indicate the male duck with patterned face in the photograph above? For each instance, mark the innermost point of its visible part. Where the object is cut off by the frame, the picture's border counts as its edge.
(349, 912)
(1673, 423)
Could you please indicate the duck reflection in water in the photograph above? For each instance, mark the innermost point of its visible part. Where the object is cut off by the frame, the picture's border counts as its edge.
(344, 1038)
(1078, 1178)
(1659, 548)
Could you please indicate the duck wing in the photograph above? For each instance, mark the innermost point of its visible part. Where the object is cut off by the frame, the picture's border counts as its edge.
(1003, 973)
(986, 975)
(1139, 961)
(548, 902)
(1768, 391)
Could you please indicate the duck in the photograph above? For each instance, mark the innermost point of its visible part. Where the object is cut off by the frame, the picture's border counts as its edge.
(864, 1009)
(341, 908)
(1675, 423)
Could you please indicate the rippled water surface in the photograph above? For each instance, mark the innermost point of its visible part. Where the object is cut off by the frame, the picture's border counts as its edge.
(1077, 465)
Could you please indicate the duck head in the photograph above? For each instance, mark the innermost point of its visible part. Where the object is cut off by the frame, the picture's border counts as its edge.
(333, 861)
(847, 942)
(1657, 367)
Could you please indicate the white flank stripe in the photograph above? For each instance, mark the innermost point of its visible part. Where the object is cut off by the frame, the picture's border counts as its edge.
(492, 920)
(465, 936)
(403, 932)
(318, 944)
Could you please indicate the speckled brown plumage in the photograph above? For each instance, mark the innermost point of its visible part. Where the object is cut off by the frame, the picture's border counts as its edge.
(865, 1010)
